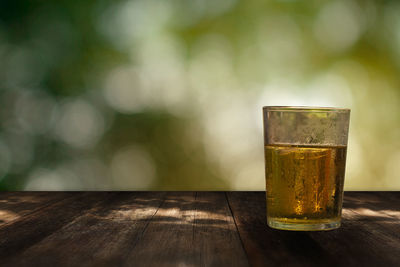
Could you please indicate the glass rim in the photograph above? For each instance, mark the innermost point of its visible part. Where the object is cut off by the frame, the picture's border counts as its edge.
(305, 109)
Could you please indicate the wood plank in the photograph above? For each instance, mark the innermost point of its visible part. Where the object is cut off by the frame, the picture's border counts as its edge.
(357, 242)
(392, 195)
(102, 236)
(268, 247)
(379, 215)
(382, 202)
(14, 205)
(215, 233)
(376, 207)
(168, 239)
(20, 234)
(191, 230)
(187, 228)
(361, 240)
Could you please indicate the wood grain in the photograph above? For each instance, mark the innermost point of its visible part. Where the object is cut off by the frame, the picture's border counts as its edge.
(191, 229)
(215, 233)
(266, 246)
(362, 239)
(188, 229)
(14, 205)
(167, 240)
(99, 237)
(28, 230)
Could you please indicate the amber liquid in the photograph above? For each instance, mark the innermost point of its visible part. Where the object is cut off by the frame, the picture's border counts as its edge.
(304, 183)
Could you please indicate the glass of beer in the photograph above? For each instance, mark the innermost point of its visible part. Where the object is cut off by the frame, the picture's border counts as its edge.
(305, 158)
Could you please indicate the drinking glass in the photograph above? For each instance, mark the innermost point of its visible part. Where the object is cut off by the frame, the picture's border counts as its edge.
(305, 158)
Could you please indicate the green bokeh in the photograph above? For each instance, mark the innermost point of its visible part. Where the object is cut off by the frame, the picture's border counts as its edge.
(167, 95)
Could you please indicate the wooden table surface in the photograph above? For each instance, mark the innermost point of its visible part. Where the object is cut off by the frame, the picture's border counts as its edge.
(188, 229)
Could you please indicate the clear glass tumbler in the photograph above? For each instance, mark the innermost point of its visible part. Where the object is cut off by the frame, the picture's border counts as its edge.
(305, 159)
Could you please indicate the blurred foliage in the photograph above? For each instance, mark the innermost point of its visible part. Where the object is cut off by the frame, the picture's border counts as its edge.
(167, 95)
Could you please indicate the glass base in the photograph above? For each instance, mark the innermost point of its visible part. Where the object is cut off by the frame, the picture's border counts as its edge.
(303, 224)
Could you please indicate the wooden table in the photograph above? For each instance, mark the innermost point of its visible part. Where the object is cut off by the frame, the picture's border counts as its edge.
(188, 229)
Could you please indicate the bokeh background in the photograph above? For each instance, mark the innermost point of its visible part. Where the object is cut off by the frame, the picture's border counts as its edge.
(167, 95)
